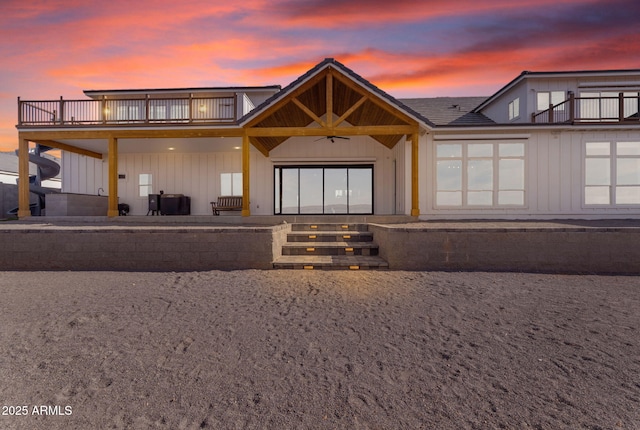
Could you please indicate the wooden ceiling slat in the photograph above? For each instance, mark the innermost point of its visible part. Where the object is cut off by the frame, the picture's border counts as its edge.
(327, 94)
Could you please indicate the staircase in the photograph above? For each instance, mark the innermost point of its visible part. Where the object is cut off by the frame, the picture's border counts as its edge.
(330, 246)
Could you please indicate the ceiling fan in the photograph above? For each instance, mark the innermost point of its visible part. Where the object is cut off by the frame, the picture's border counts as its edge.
(332, 138)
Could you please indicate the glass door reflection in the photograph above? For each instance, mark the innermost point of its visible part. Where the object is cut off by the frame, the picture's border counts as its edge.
(335, 191)
(323, 189)
(360, 191)
(310, 191)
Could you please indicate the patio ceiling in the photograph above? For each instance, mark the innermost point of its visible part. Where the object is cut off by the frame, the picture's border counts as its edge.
(148, 145)
(329, 104)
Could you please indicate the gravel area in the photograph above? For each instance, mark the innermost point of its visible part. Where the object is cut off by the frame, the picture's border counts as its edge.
(310, 349)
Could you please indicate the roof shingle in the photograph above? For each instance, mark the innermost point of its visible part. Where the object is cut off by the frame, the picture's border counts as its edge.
(449, 110)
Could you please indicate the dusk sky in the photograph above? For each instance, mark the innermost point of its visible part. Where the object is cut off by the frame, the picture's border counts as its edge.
(408, 48)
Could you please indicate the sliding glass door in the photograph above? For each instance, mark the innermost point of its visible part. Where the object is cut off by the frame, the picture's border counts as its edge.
(323, 189)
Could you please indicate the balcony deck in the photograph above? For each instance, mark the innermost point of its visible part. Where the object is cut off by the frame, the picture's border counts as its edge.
(128, 111)
(621, 109)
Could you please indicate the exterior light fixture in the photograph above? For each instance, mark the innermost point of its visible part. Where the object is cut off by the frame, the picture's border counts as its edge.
(202, 108)
(171, 148)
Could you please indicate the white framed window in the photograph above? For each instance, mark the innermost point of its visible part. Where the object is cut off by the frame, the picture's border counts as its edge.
(230, 184)
(545, 98)
(488, 174)
(145, 184)
(612, 173)
(514, 109)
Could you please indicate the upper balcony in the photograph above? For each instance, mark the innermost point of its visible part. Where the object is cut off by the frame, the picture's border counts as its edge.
(147, 111)
(622, 108)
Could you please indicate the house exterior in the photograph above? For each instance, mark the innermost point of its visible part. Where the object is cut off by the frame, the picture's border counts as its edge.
(547, 145)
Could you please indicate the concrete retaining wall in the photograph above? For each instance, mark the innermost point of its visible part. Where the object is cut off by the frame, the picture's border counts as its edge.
(180, 248)
(139, 249)
(571, 250)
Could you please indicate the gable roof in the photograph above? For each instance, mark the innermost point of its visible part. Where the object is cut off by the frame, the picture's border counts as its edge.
(348, 72)
(328, 95)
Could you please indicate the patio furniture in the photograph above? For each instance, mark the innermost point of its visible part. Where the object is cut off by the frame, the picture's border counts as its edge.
(226, 203)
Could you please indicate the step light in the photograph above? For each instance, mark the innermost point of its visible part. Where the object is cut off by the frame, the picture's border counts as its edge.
(345, 227)
(310, 249)
(308, 267)
(313, 227)
(312, 236)
(346, 236)
(354, 267)
(348, 249)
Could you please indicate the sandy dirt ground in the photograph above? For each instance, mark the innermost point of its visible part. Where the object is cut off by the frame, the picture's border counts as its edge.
(318, 350)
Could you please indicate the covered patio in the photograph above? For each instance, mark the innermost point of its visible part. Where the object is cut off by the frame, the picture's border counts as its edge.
(328, 102)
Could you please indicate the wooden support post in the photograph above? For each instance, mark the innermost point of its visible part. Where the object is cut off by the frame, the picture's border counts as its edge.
(113, 177)
(329, 100)
(23, 178)
(246, 211)
(415, 179)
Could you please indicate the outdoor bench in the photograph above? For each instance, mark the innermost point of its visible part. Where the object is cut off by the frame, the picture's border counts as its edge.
(226, 203)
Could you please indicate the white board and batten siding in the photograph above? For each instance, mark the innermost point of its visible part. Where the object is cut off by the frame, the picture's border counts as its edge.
(356, 150)
(554, 179)
(198, 174)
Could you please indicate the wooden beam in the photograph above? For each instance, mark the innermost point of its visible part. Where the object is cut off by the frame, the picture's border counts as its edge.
(330, 99)
(69, 148)
(113, 178)
(285, 99)
(259, 146)
(187, 132)
(375, 130)
(23, 178)
(374, 98)
(351, 110)
(246, 161)
(308, 111)
(415, 180)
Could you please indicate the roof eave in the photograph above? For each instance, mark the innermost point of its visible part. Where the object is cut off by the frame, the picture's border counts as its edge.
(98, 93)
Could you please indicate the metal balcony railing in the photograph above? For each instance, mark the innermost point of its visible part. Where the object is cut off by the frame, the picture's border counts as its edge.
(620, 109)
(116, 112)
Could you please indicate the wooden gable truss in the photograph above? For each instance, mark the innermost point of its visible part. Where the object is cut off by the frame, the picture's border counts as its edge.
(329, 104)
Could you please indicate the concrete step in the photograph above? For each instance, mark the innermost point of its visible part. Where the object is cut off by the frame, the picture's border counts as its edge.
(329, 227)
(330, 248)
(331, 262)
(330, 236)
(337, 246)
